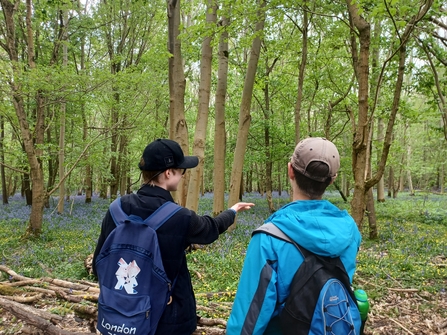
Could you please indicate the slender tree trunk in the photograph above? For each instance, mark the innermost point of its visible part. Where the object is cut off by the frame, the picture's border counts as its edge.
(52, 167)
(267, 144)
(244, 113)
(123, 157)
(371, 210)
(390, 181)
(381, 183)
(103, 181)
(60, 206)
(279, 181)
(196, 175)
(360, 143)
(442, 178)
(299, 98)
(370, 205)
(409, 180)
(114, 166)
(5, 195)
(219, 134)
(177, 83)
(88, 183)
(26, 189)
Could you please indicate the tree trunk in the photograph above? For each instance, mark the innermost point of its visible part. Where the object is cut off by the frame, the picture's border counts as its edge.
(299, 98)
(26, 191)
(201, 129)
(359, 145)
(114, 167)
(219, 134)
(409, 180)
(381, 183)
(178, 127)
(103, 182)
(390, 181)
(279, 180)
(267, 144)
(88, 183)
(372, 221)
(123, 157)
(442, 178)
(60, 206)
(244, 113)
(5, 195)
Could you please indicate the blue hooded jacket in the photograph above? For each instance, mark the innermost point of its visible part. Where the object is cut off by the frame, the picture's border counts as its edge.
(271, 263)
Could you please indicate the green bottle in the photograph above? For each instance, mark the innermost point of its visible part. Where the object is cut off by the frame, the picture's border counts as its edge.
(363, 304)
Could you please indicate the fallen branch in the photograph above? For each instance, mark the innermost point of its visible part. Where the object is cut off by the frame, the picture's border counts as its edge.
(211, 295)
(211, 322)
(24, 300)
(34, 317)
(400, 325)
(403, 289)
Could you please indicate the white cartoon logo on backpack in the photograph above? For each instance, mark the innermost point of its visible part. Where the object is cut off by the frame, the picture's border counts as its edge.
(126, 276)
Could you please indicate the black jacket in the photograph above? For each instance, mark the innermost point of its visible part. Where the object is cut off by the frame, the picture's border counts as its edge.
(174, 236)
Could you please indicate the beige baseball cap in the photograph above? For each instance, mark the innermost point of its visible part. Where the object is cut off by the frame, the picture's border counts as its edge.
(316, 149)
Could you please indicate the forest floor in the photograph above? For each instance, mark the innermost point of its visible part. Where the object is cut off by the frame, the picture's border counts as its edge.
(402, 311)
(404, 270)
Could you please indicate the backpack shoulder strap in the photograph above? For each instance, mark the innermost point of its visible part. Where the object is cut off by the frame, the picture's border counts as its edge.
(271, 229)
(117, 212)
(155, 220)
(162, 214)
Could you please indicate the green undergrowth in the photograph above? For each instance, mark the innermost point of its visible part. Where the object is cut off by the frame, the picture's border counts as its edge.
(409, 253)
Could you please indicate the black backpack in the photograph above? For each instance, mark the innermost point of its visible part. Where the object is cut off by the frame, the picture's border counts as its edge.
(321, 300)
(134, 288)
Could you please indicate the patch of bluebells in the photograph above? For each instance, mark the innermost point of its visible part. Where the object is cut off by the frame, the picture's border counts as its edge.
(66, 239)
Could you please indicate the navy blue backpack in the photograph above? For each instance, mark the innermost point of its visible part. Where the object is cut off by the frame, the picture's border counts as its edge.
(321, 300)
(134, 288)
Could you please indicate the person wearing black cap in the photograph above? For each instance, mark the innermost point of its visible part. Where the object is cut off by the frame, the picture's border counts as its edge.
(313, 223)
(162, 166)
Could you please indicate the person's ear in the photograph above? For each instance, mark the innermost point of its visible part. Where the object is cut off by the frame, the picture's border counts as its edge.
(167, 173)
(290, 172)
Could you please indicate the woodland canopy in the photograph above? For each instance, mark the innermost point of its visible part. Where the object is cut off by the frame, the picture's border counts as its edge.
(86, 85)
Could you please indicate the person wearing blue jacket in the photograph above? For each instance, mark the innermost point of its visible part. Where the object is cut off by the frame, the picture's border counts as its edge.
(313, 223)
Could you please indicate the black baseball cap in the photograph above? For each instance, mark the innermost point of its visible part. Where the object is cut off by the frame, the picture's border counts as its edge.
(163, 154)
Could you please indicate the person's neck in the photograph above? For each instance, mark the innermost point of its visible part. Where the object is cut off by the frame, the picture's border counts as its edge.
(154, 183)
(300, 195)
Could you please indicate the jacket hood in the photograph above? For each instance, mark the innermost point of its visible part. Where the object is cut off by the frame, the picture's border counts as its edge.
(318, 226)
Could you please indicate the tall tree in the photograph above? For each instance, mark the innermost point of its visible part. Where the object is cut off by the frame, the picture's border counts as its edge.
(299, 99)
(178, 130)
(64, 28)
(244, 111)
(361, 131)
(31, 128)
(361, 68)
(203, 110)
(5, 195)
(219, 122)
